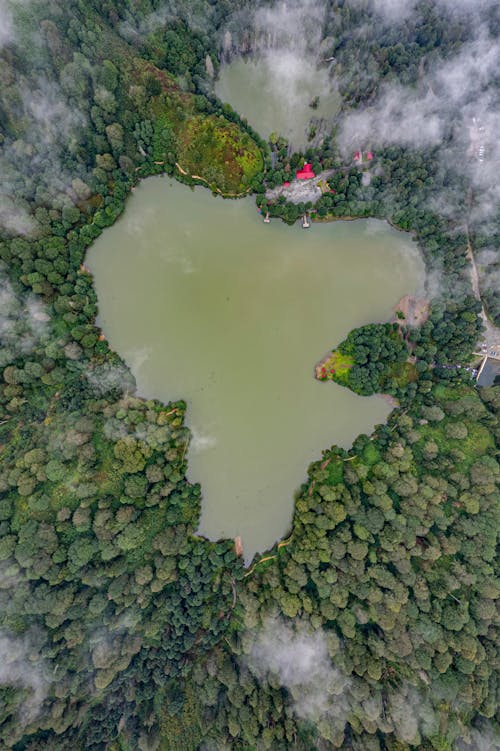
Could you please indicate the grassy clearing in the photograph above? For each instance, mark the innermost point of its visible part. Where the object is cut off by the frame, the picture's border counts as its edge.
(181, 722)
(340, 365)
(371, 454)
(211, 147)
(336, 471)
(220, 153)
(402, 373)
(207, 147)
(449, 393)
(476, 444)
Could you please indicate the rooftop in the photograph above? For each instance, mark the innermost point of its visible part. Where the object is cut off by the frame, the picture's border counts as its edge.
(489, 371)
(306, 173)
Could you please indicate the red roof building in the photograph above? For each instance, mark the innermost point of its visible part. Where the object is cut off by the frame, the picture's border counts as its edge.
(357, 156)
(369, 156)
(306, 173)
(286, 184)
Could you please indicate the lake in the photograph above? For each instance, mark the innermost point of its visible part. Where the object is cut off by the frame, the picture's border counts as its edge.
(206, 302)
(274, 91)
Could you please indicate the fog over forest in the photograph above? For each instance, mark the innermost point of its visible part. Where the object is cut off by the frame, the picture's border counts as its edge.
(371, 627)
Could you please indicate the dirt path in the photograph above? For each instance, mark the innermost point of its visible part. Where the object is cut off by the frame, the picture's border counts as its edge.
(474, 276)
(217, 190)
(281, 544)
(491, 337)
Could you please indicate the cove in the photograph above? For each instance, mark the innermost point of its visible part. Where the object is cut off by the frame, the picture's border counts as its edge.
(207, 303)
(273, 92)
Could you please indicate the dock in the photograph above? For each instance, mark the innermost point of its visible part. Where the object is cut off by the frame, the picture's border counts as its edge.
(305, 222)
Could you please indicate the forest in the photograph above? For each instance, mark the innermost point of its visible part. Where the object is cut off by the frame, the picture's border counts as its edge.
(372, 626)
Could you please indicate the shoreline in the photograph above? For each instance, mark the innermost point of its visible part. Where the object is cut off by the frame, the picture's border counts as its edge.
(321, 364)
(331, 218)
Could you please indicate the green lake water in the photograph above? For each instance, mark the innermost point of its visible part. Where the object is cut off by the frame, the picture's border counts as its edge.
(206, 302)
(273, 93)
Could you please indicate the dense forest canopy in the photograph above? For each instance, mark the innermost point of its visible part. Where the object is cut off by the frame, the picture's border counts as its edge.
(373, 625)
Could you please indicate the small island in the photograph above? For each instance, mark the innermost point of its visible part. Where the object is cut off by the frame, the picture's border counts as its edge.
(372, 359)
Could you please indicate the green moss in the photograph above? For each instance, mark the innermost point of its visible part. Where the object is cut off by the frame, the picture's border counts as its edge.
(181, 719)
(340, 364)
(164, 140)
(476, 444)
(402, 374)
(449, 393)
(206, 147)
(371, 454)
(336, 471)
(220, 153)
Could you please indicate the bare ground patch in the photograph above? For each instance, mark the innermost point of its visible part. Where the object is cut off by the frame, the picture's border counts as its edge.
(414, 309)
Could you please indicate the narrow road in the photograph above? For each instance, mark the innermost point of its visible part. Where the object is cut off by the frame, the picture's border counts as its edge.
(491, 336)
(474, 276)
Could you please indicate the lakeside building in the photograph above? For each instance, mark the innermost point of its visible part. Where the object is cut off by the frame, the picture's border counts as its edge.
(488, 372)
(306, 173)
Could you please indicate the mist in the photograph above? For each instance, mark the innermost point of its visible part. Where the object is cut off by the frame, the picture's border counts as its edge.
(287, 36)
(51, 128)
(422, 116)
(41, 112)
(23, 322)
(454, 108)
(193, 12)
(283, 48)
(298, 658)
(397, 11)
(20, 667)
(292, 655)
(6, 23)
(484, 738)
(106, 377)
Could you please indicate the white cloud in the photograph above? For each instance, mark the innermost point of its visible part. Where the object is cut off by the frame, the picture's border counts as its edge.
(20, 667)
(23, 322)
(454, 107)
(6, 23)
(110, 377)
(15, 219)
(483, 739)
(394, 10)
(201, 441)
(293, 656)
(398, 11)
(300, 660)
(193, 12)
